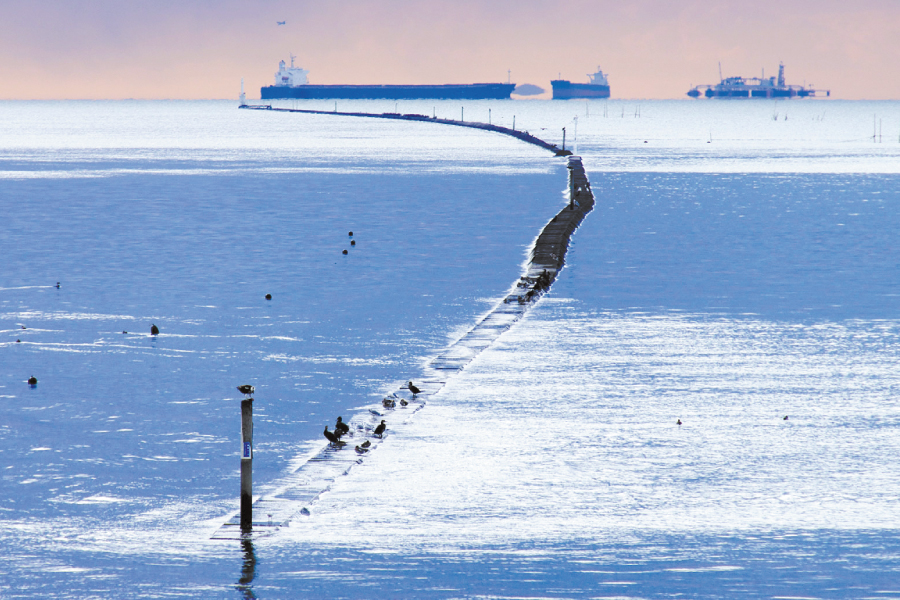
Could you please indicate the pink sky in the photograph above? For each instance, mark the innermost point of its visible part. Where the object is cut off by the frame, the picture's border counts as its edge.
(649, 48)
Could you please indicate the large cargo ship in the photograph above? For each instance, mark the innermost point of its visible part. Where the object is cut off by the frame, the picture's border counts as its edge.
(754, 87)
(291, 82)
(597, 88)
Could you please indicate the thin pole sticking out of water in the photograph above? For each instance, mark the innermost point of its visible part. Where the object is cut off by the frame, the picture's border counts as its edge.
(576, 135)
(247, 464)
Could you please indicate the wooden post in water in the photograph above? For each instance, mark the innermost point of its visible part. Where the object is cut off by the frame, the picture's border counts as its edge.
(247, 464)
(564, 138)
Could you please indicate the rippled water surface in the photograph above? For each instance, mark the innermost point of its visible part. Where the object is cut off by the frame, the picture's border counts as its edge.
(739, 274)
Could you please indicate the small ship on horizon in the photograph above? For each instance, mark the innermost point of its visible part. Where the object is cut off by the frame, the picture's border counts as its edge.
(597, 88)
(754, 87)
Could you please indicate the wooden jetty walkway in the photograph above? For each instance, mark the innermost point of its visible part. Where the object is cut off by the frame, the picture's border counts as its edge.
(293, 495)
(521, 135)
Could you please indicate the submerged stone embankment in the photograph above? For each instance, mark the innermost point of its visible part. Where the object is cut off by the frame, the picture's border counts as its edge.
(295, 493)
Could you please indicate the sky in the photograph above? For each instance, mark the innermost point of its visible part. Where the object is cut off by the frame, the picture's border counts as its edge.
(193, 49)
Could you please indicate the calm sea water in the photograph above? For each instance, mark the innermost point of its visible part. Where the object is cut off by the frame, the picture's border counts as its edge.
(739, 267)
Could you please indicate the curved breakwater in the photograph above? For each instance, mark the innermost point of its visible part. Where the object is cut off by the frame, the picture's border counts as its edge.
(520, 135)
(295, 493)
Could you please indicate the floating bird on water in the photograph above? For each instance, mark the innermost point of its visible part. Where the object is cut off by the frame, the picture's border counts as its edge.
(341, 426)
(331, 437)
(268, 296)
(154, 330)
(678, 422)
(785, 417)
(344, 252)
(350, 234)
(352, 242)
(413, 388)
(57, 285)
(246, 390)
(388, 403)
(380, 429)
(32, 381)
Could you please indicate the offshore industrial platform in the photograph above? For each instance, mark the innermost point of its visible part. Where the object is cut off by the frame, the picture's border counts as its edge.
(754, 87)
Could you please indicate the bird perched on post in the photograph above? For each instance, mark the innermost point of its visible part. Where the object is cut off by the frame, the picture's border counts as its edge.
(154, 330)
(331, 437)
(413, 388)
(246, 390)
(380, 429)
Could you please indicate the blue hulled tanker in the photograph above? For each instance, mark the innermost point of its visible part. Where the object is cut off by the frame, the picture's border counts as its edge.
(291, 82)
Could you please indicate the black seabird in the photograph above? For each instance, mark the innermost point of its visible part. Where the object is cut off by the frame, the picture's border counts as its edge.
(361, 450)
(785, 417)
(331, 437)
(154, 330)
(268, 296)
(413, 388)
(344, 252)
(380, 429)
(341, 426)
(366, 444)
(32, 381)
(678, 422)
(246, 390)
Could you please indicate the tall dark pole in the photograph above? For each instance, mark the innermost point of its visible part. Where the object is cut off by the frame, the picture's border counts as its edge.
(247, 464)
(564, 138)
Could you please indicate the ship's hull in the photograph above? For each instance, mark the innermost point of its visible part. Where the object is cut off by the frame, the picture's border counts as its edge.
(472, 91)
(752, 93)
(564, 90)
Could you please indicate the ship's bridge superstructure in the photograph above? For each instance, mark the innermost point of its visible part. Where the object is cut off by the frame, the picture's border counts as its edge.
(598, 78)
(290, 76)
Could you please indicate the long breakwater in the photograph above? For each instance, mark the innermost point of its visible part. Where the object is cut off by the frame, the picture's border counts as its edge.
(295, 494)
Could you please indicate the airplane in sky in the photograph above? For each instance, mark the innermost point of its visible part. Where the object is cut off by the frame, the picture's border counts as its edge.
(281, 22)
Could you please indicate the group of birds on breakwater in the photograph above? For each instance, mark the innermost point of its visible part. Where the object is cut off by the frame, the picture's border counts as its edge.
(534, 285)
(391, 401)
(341, 429)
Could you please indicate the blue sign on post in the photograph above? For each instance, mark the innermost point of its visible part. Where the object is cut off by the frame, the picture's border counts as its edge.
(247, 451)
